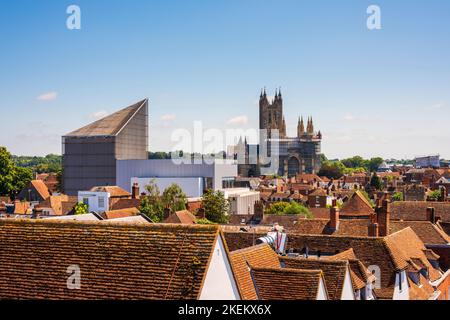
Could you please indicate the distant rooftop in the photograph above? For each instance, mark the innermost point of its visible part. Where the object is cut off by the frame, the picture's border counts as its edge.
(110, 125)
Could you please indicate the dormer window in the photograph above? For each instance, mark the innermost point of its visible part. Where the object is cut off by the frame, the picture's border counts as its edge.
(415, 277)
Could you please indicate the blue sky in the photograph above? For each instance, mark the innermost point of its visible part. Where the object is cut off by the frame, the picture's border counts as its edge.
(382, 92)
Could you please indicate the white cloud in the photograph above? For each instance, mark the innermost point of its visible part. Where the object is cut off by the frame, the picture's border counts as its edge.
(439, 105)
(48, 96)
(99, 115)
(349, 117)
(168, 117)
(239, 120)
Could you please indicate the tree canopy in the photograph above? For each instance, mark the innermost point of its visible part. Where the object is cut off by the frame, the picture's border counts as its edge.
(288, 208)
(12, 177)
(216, 206)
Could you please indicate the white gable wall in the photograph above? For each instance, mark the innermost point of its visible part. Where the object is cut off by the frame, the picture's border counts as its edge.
(322, 294)
(219, 281)
(404, 293)
(347, 289)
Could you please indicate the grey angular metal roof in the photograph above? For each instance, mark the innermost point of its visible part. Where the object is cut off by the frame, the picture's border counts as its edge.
(110, 125)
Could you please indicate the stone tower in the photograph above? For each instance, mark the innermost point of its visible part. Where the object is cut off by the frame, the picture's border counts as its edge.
(271, 113)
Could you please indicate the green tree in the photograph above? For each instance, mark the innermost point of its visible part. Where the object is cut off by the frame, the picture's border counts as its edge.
(434, 195)
(216, 206)
(12, 178)
(151, 205)
(398, 196)
(174, 198)
(277, 208)
(375, 182)
(6, 172)
(204, 221)
(354, 162)
(81, 208)
(332, 169)
(22, 176)
(374, 164)
(295, 208)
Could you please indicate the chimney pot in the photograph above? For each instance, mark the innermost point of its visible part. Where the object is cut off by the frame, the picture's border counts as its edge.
(334, 218)
(373, 230)
(431, 215)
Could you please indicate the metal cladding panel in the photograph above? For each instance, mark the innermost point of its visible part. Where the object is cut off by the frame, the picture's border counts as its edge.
(127, 169)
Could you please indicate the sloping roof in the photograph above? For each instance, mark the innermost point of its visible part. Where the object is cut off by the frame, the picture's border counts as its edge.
(333, 271)
(425, 230)
(110, 125)
(122, 213)
(40, 188)
(353, 227)
(56, 203)
(22, 207)
(417, 210)
(357, 205)
(319, 192)
(114, 191)
(413, 250)
(183, 217)
(117, 261)
(369, 250)
(286, 284)
(261, 256)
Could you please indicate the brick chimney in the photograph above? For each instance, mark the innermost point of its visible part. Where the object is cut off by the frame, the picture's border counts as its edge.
(383, 218)
(443, 193)
(373, 230)
(334, 218)
(201, 213)
(258, 211)
(135, 191)
(431, 215)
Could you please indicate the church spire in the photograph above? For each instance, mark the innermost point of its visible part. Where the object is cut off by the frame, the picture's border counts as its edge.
(300, 127)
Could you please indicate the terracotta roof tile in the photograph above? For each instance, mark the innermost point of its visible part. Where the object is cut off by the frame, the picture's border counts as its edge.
(41, 188)
(183, 217)
(357, 205)
(261, 256)
(417, 210)
(114, 191)
(425, 230)
(117, 261)
(286, 284)
(334, 272)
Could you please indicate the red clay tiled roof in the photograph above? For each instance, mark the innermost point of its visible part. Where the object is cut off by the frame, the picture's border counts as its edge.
(22, 207)
(41, 188)
(120, 203)
(425, 230)
(413, 248)
(286, 284)
(122, 213)
(114, 191)
(318, 193)
(56, 203)
(334, 272)
(417, 210)
(307, 178)
(183, 217)
(261, 256)
(117, 261)
(357, 205)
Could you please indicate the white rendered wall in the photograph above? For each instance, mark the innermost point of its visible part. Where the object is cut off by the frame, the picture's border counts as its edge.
(404, 293)
(219, 282)
(347, 289)
(322, 294)
(93, 200)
